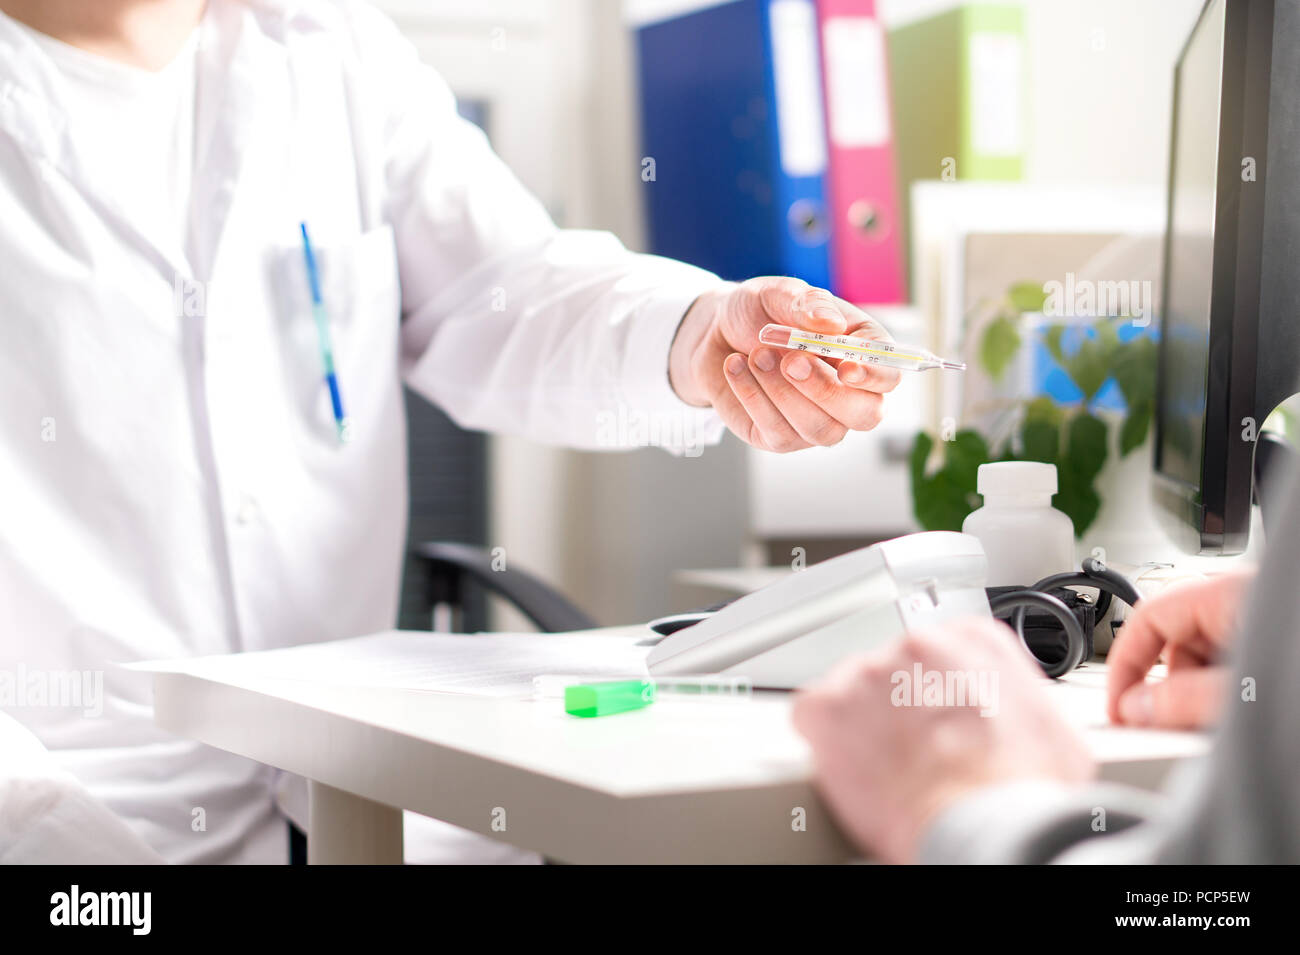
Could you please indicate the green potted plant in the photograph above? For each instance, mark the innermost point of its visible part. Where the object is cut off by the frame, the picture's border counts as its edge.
(1076, 437)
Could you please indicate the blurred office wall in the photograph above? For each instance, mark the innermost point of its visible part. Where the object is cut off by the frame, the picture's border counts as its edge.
(556, 78)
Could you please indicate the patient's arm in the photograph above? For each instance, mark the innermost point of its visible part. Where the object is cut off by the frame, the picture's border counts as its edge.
(1238, 806)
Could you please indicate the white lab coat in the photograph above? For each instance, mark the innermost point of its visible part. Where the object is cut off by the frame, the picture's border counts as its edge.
(170, 480)
(48, 818)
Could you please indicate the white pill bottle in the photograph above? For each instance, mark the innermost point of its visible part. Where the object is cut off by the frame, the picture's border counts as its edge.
(1024, 537)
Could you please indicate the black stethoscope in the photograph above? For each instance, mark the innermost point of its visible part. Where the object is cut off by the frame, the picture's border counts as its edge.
(1095, 574)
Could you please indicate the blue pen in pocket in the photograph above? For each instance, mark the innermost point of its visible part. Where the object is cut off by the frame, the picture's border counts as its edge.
(323, 337)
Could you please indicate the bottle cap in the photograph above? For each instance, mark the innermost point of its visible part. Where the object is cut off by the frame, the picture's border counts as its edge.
(1016, 477)
(602, 699)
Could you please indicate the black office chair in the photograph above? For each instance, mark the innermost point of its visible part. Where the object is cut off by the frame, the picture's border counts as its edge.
(449, 567)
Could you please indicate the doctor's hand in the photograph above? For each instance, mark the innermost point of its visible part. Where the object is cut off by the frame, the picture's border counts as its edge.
(1188, 625)
(773, 398)
(892, 748)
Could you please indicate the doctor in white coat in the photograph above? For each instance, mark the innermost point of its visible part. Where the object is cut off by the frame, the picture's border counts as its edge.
(171, 483)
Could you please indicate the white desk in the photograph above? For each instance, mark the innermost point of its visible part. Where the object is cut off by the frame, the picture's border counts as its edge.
(680, 781)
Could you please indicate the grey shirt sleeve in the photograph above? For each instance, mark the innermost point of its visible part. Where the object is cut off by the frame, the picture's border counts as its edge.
(1036, 821)
(1239, 805)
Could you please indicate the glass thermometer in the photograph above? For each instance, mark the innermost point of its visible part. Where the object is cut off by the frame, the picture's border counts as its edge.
(864, 351)
(602, 695)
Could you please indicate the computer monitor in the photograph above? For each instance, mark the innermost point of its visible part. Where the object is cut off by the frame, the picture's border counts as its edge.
(1230, 305)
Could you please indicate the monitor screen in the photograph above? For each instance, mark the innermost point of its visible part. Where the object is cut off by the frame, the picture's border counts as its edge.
(1190, 260)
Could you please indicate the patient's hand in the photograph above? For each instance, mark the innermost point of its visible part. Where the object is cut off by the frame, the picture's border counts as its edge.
(889, 758)
(1188, 626)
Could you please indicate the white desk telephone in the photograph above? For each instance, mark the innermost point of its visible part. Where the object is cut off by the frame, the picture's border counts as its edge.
(794, 630)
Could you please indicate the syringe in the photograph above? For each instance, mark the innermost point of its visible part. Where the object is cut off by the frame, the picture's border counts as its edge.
(865, 351)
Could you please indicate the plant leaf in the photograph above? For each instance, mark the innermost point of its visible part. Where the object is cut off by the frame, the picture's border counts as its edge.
(963, 457)
(1027, 296)
(999, 345)
(1046, 410)
(1134, 369)
(1133, 432)
(1089, 366)
(942, 500)
(1078, 500)
(941, 505)
(1085, 447)
(1042, 441)
(1052, 338)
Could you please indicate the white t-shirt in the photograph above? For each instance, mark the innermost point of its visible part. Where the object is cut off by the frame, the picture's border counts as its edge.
(139, 124)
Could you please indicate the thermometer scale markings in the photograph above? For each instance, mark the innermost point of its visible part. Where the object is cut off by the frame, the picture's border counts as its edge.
(883, 353)
(842, 342)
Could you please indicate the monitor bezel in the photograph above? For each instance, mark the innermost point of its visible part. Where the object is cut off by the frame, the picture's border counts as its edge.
(1214, 517)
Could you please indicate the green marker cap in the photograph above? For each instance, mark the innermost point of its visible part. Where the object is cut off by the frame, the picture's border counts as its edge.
(602, 699)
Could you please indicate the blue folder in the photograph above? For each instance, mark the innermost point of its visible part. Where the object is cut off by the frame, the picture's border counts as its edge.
(732, 120)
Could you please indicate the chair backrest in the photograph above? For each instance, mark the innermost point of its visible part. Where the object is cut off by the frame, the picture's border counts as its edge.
(447, 471)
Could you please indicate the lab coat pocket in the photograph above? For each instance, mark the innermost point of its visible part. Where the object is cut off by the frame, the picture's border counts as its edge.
(361, 301)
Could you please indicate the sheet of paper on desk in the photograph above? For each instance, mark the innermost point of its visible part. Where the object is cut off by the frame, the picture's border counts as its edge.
(489, 664)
